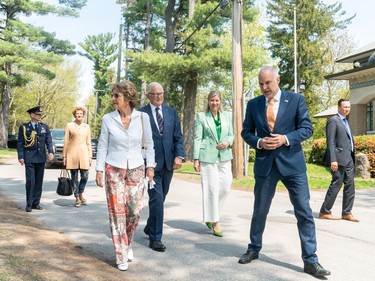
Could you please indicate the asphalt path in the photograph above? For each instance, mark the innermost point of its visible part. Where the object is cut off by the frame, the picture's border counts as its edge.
(346, 249)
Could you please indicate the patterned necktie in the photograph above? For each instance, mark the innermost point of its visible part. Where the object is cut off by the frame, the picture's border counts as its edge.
(271, 119)
(160, 120)
(36, 126)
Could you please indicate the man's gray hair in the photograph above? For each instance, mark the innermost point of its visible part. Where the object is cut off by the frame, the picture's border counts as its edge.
(274, 70)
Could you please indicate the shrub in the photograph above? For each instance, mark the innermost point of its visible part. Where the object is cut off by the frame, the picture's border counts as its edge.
(363, 144)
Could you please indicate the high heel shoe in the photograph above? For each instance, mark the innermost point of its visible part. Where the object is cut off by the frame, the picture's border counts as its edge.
(209, 225)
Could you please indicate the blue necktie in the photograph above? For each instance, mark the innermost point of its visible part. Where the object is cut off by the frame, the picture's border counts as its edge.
(160, 120)
(347, 128)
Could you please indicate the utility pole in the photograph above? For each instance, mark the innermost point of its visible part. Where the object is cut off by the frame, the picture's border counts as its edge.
(119, 54)
(237, 73)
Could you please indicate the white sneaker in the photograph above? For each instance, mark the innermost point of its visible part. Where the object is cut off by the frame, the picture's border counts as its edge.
(130, 255)
(123, 266)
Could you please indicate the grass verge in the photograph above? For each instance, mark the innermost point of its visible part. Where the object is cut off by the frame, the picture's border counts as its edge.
(319, 177)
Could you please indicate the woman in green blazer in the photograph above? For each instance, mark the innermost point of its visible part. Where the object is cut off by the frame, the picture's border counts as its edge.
(213, 139)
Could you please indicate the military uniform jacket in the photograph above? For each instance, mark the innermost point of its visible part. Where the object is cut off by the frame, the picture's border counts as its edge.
(33, 144)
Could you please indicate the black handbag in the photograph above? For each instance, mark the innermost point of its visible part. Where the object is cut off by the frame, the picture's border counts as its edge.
(65, 184)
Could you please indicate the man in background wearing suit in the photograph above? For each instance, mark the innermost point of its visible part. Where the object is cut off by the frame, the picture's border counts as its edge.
(340, 157)
(34, 138)
(275, 125)
(169, 154)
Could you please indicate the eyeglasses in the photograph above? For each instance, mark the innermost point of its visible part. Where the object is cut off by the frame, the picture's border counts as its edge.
(116, 95)
(156, 94)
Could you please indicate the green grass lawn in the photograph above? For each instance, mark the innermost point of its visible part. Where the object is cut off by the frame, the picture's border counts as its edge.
(7, 153)
(319, 178)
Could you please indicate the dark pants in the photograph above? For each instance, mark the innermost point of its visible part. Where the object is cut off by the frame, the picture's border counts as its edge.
(79, 187)
(34, 182)
(299, 196)
(342, 175)
(156, 200)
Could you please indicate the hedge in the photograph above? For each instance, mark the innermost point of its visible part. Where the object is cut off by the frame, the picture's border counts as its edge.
(363, 144)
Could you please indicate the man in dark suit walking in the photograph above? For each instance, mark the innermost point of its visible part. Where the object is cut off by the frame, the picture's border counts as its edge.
(169, 154)
(275, 125)
(34, 138)
(340, 157)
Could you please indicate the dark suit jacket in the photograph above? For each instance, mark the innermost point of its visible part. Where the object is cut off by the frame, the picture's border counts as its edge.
(43, 143)
(339, 147)
(292, 120)
(170, 144)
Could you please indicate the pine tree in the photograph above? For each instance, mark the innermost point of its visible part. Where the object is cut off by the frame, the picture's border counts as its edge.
(25, 48)
(314, 22)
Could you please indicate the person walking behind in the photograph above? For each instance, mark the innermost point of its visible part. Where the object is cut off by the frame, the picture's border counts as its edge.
(213, 138)
(340, 157)
(123, 134)
(275, 125)
(77, 154)
(34, 139)
(169, 154)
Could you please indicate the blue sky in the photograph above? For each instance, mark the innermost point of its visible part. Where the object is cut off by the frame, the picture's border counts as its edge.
(101, 16)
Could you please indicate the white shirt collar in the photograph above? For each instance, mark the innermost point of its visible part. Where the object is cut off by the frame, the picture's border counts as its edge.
(277, 97)
(153, 107)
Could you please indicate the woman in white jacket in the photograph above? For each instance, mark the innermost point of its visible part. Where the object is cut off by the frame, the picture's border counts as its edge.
(124, 132)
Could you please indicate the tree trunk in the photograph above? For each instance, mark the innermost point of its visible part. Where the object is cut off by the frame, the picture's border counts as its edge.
(169, 26)
(191, 89)
(4, 114)
(147, 26)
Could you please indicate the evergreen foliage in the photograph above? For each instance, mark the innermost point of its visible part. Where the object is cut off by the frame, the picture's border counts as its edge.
(27, 49)
(315, 21)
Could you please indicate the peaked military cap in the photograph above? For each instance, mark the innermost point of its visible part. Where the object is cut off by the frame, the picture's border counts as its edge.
(35, 110)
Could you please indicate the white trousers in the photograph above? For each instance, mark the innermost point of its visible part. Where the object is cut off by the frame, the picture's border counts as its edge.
(216, 180)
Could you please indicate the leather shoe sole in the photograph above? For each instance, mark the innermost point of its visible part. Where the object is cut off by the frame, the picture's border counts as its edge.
(327, 217)
(316, 270)
(157, 246)
(349, 217)
(248, 257)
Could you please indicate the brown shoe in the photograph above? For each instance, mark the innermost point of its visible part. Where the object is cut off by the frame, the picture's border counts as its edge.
(349, 217)
(328, 217)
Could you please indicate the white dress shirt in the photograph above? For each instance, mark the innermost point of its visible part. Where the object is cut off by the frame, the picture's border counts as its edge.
(122, 148)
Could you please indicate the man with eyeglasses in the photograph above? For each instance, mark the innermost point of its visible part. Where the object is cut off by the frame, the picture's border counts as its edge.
(340, 157)
(169, 155)
(34, 138)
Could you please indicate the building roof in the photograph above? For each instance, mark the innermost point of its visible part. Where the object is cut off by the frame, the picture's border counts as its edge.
(347, 74)
(327, 113)
(359, 54)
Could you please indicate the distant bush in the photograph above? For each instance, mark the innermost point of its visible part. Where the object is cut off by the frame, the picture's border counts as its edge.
(363, 144)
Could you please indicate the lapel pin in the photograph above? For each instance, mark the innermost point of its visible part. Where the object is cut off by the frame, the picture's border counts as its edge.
(286, 101)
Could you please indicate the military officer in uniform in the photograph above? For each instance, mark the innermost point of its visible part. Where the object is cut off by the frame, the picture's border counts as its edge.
(34, 139)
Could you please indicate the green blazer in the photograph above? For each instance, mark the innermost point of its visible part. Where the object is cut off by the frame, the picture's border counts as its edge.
(206, 139)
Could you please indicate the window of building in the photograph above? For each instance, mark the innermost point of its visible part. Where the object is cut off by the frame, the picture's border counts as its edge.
(369, 118)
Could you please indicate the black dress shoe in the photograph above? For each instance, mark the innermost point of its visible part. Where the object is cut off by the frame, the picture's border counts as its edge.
(146, 230)
(315, 269)
(248, 257)
(37, 207)
(28, 209)
(157, 246)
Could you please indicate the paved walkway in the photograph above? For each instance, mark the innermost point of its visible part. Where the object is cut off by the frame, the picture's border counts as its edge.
(193, 253)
